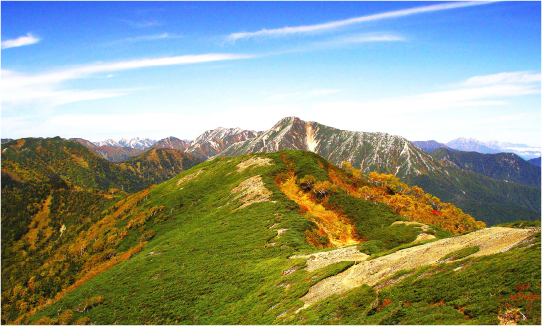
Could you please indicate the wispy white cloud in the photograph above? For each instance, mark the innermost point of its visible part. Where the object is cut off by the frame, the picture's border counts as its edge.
(46, 88)
(148, 37)
(145, 38)
(486, 91)
(285, 31)
(361, 38)
(504, 78)
(20, 41)
(141, 23)
(473, 111)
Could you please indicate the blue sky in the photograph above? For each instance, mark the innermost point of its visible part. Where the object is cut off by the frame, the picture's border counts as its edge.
(422, 70)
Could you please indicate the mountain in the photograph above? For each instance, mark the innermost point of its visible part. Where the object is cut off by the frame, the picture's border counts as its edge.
(379, 152)
(428, 146)
(159, 164)
(384, 153)
(276, 238)
(502, 166)
(212, 142)
(535, 161)
(139, 143)
(110, 153)
(31, 160)
(471, 145)
(492, 147)
(6, 140)
(173, 143)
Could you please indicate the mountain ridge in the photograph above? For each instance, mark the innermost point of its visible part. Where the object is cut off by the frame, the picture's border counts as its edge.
(500, 166)
(385, 153)
(494, 147)
(221, 243)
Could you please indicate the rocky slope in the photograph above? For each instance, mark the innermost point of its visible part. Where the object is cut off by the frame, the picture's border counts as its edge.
(212, 142)
(489, 241)
(385, 153)
(379, 152)
(173, 143)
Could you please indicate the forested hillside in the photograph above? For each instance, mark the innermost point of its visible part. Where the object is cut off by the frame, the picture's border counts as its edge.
(40, 160)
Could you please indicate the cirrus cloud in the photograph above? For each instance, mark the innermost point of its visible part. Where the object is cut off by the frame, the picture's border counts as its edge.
(46, 88)
(306, 29)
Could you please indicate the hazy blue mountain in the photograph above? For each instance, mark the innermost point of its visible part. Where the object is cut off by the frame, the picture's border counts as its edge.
(429, 145)
(501, 166)
(535, 161)
(471, 145)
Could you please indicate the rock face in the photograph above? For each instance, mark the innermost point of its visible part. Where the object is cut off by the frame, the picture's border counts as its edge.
(212, 142)
(173, 143)
(367, 151)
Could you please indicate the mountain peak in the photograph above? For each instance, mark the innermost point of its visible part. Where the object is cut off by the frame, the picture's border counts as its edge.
(339, 145)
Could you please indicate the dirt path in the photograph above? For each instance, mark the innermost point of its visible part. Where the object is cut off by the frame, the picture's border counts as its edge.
(322, 259)
(490, 241)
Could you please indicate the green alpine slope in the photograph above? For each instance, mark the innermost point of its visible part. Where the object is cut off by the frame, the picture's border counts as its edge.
(214, 245)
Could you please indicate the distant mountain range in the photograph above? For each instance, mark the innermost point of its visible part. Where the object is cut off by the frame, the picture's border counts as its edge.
(140, 143)
(110, 153)
(473, 145)
(207, 145)
(429, 145)
(471, 182)
(212, 142)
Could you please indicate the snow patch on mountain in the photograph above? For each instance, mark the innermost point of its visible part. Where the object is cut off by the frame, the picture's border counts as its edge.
(140, 143)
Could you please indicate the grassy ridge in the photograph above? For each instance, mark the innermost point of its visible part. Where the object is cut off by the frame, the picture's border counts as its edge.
(206, 260)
